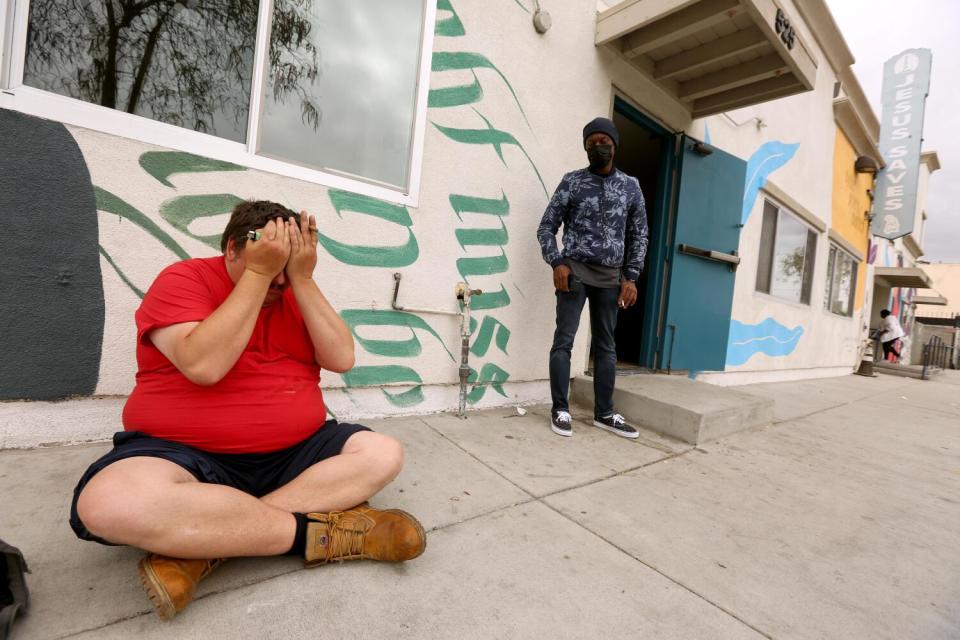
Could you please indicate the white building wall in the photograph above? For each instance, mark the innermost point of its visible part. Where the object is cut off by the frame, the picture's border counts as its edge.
(543, 89)
(791, 142)
(533, 107)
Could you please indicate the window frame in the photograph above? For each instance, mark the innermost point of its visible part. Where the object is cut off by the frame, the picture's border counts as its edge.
(806, 281)
(828, 290)
(16, 96)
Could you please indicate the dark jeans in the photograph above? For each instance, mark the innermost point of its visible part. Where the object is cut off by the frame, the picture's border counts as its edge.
(603, 321)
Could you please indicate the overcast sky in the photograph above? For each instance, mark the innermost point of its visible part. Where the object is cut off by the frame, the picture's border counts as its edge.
(875, 31)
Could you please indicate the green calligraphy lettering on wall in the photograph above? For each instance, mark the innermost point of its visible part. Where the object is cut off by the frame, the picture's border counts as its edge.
(110, 203)
(182, 211)
(465, 94)
(123, 276)
(491, 330)
(371, 256)
(455, 96)
(492, 136)
(482, 237)
(482, 266)
(490, 375)
(494, 300)
(409, 348)
(163, 164)
(467, 267)
(369, 376)
(404, 348)
(490, 327)
(450, 26)
(469, 204)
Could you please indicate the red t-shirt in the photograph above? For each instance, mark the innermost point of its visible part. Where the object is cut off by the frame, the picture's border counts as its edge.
(268, 401)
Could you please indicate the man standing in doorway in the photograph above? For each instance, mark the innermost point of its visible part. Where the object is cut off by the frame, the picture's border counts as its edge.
(604, 222)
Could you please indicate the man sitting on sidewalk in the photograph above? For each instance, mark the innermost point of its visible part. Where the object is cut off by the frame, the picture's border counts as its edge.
(227, 450)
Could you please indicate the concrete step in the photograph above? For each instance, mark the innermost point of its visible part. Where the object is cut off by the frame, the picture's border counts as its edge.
(694, 412)
(904, 370)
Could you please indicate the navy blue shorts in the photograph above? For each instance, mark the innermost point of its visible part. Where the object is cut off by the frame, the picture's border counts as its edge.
(255, 473)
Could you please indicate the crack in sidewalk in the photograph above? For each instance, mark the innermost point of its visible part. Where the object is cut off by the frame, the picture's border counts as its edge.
(532, 498)
(541, 500)
(842, 404)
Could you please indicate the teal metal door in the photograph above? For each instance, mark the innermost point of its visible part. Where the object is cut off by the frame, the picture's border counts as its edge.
(703, 258)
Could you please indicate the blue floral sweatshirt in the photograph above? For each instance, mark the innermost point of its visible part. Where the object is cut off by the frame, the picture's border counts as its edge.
(604, 222)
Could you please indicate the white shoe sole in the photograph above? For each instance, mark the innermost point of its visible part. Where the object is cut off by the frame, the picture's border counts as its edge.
(635, 434)
(565, 434)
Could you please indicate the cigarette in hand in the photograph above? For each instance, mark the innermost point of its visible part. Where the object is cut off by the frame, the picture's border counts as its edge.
(253, 235)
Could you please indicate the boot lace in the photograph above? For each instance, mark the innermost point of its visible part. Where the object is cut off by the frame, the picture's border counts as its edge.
(345, 540)
(210, 566)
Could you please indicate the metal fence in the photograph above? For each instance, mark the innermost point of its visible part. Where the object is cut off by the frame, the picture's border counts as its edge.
(940, 318)
(936, 356)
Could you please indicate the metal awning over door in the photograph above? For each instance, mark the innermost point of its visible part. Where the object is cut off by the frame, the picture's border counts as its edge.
(711, 55)
(909, 277)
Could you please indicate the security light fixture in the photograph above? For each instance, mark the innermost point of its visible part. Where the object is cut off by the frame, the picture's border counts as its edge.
(541, 19)
(866, 164)
(701, 148)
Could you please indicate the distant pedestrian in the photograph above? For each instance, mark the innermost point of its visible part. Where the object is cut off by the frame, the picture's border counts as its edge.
(890, 332)
(604, 243)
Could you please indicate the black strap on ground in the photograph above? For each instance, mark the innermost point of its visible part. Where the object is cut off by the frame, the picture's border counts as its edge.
(14, 595)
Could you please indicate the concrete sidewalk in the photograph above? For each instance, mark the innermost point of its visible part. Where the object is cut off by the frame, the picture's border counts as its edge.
(839, 521)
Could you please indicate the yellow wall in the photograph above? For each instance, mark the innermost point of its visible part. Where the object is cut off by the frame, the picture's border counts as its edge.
(850, 201)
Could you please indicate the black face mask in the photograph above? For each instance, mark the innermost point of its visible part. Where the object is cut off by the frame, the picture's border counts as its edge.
(600, 155)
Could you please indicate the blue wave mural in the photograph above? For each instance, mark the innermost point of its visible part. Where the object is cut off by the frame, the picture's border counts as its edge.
(764, 161)
(769, 337)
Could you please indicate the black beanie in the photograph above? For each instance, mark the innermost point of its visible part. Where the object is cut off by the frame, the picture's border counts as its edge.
(601, 125)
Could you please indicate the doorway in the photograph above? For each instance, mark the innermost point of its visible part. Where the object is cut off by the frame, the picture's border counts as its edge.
(694, 198)
(644, 153)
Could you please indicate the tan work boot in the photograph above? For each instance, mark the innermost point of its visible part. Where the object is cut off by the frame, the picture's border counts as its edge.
(363, 533)
(172, 582)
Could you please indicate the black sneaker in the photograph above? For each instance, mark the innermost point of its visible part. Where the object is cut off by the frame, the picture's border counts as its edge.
(561, 423)
(616, 424)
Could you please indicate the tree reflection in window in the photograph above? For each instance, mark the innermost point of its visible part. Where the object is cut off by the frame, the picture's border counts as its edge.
(184, 62)
(787, 254)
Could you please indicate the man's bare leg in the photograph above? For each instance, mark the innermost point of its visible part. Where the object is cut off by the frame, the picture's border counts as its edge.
(156, 505)
(368, 462)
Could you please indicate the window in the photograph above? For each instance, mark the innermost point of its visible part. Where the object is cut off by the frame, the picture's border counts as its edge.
(841, 282)
(788, 250)
(309, 88)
